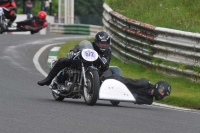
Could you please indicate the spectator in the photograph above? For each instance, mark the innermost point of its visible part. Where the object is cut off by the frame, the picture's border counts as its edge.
(76, 20)
(46, 5)
(55, 18)
(29, 6)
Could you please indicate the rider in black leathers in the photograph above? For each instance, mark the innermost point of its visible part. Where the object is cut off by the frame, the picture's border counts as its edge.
(143, 90)
(101, 46)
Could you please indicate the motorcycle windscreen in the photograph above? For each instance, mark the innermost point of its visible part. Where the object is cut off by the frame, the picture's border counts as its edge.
(112, 89)
(85, 44)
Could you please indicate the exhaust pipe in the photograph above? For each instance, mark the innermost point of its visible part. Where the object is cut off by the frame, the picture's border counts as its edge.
(57, 92)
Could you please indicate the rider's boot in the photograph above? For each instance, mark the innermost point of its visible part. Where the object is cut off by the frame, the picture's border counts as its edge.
(54, 71)
(48, 79)
(10, 24)
(60, 64)
(12, 19)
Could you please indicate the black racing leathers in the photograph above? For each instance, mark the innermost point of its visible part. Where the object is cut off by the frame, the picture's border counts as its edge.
(66, 62)
(9, 14)
(140, 88)
(34, 23)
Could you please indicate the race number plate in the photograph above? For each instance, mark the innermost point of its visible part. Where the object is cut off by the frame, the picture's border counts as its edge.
(1, 11)
(89, 55)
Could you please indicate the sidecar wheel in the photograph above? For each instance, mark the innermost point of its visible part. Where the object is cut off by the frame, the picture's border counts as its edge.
(91, 92)
(32, 33)
(1, 30)
(115, 103)
(57, 97)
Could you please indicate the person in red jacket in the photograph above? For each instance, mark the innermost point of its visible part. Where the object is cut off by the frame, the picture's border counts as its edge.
(9, 7)
(34, 24)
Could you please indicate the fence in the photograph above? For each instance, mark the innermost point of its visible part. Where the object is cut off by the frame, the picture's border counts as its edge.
(78, 29)
(170, 51)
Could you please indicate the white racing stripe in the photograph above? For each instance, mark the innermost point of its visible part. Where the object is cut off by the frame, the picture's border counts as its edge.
(36, 59)
(55, 49)
(164, 106)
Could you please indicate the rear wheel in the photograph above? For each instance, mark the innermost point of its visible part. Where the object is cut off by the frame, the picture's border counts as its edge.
(1, 29)
(91, 90)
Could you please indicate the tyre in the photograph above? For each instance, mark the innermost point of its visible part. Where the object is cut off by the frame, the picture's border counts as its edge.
(32, 32)
(57, 97)
(91, 90)
(2, 24)
(1, 29)
(115, 103)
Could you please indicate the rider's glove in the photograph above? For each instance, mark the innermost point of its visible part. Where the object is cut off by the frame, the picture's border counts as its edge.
(70, 55)
(104, 65)
(104, 61)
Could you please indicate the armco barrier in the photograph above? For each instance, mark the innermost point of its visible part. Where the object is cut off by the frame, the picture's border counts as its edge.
(78, 29)
(170, 51)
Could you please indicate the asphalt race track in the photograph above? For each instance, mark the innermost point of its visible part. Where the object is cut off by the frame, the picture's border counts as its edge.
(26, 107)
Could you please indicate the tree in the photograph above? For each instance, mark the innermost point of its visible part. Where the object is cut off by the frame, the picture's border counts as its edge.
(89, 11)
(55, 6)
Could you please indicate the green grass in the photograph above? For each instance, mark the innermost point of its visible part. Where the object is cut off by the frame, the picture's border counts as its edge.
(174, 14)
(185, 93)
(66, 48)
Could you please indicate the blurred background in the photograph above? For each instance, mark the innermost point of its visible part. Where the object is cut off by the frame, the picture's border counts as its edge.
(83, 11)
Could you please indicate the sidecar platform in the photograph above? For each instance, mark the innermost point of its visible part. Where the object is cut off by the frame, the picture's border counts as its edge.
(15, 29)
(112, 89)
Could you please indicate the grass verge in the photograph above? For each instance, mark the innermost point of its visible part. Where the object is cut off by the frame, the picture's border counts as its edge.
(185, 93)
(174, 14)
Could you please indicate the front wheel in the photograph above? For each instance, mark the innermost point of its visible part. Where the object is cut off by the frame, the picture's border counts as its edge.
(91, 90)
(2, 29)
(1, 25)
(1, 32)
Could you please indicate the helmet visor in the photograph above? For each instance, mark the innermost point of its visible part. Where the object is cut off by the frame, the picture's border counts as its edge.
(162, 92)
(102, 44)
